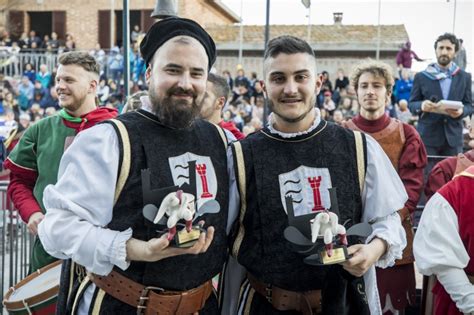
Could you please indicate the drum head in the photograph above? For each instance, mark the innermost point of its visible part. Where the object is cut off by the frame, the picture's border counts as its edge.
(37, 290)
(43, 282)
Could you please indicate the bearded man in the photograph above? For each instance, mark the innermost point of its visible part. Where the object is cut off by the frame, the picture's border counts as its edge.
(95, 210)
(440, 128)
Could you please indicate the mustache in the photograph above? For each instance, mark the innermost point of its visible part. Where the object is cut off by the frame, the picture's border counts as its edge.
(181, 91)
(175, 113)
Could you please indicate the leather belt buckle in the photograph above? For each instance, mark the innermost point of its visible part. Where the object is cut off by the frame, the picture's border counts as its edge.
(268, 291)
(144, 298)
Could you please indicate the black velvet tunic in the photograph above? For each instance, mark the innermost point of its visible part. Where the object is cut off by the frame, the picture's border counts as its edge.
(329, 149)
(152, 147)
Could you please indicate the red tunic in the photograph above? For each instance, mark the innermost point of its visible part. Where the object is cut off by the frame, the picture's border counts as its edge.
(412, 160)
(232, 128)
(442, 173)
(399, 281)
(458, 193)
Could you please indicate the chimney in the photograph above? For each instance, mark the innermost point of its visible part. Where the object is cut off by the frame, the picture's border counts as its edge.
(337, 18)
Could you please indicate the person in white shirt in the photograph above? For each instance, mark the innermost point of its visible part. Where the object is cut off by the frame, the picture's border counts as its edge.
(95, 211)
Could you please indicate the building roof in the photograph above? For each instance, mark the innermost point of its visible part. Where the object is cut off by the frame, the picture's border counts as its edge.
(323, 37)
(225, 10)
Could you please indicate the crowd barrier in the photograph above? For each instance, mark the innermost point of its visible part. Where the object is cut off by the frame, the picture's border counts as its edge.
(13, 65)
(15, 245)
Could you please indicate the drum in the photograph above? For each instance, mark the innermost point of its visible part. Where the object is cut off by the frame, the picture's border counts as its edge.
(36, 294)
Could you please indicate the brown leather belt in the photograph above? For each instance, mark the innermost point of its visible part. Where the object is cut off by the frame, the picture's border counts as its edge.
(308, 302)
(153, 300)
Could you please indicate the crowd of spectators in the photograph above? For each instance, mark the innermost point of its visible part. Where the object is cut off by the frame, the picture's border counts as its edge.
(27, 82)
(33, 43)
(337, 100)
(31, 92)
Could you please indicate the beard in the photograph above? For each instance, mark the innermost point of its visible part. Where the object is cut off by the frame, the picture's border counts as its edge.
(271, 106)
(175, 113)
(444, 60)
(73, 103)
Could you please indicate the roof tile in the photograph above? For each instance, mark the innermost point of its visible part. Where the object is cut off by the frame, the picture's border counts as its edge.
(390, 34)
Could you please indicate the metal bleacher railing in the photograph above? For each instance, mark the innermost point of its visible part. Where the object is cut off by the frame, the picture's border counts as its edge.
(15, 245)
(13, 64)
(432, 161)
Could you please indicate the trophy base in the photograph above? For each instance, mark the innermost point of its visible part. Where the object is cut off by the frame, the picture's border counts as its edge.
(321, 258)
(339, 254)
(185, 239)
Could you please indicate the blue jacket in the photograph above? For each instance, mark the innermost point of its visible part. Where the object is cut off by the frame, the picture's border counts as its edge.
(434, 128)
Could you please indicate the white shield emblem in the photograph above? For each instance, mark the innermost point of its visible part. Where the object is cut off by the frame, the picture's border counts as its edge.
(308, 188)
(206, 180)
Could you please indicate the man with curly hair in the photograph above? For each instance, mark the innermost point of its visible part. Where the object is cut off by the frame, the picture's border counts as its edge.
(373, 83)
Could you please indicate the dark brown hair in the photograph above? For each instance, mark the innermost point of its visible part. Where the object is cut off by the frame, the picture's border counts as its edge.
(220, 86)
(287, 44)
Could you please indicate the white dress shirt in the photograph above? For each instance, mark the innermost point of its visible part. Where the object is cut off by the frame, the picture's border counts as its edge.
(80, 205)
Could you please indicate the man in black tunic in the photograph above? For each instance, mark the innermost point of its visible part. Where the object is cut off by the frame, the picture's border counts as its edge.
(96, 207)
(299, 155)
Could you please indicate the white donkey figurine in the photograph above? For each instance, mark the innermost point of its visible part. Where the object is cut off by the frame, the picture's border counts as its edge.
(325, 225)
(177, 206)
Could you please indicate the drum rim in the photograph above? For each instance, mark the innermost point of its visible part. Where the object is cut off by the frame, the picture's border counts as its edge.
(19, 306)
(36, 299)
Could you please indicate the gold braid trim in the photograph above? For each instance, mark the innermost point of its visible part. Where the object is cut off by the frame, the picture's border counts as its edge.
(98, 302)
(248, 304)
(360, 159)
(243, 198)
(222, 134)
(71, 279)
(125, 169)
(82, 288)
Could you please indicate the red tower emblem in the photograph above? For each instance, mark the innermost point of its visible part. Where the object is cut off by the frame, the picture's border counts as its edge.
(315, 183)
(201, 169)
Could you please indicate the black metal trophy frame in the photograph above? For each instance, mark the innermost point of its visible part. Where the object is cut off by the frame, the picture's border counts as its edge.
(152, 199)
(298, 234)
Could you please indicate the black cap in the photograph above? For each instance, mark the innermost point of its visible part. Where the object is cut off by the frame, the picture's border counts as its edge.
(163, 30)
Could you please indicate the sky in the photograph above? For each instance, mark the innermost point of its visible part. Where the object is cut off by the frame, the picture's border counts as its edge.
(424, 20)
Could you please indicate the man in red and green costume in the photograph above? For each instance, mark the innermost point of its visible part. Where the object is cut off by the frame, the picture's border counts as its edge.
(35, 160)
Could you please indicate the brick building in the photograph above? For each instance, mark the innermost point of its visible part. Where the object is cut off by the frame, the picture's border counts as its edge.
(91, 21)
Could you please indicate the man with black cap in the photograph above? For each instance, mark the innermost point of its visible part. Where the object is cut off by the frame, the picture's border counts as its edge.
(98, 203)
